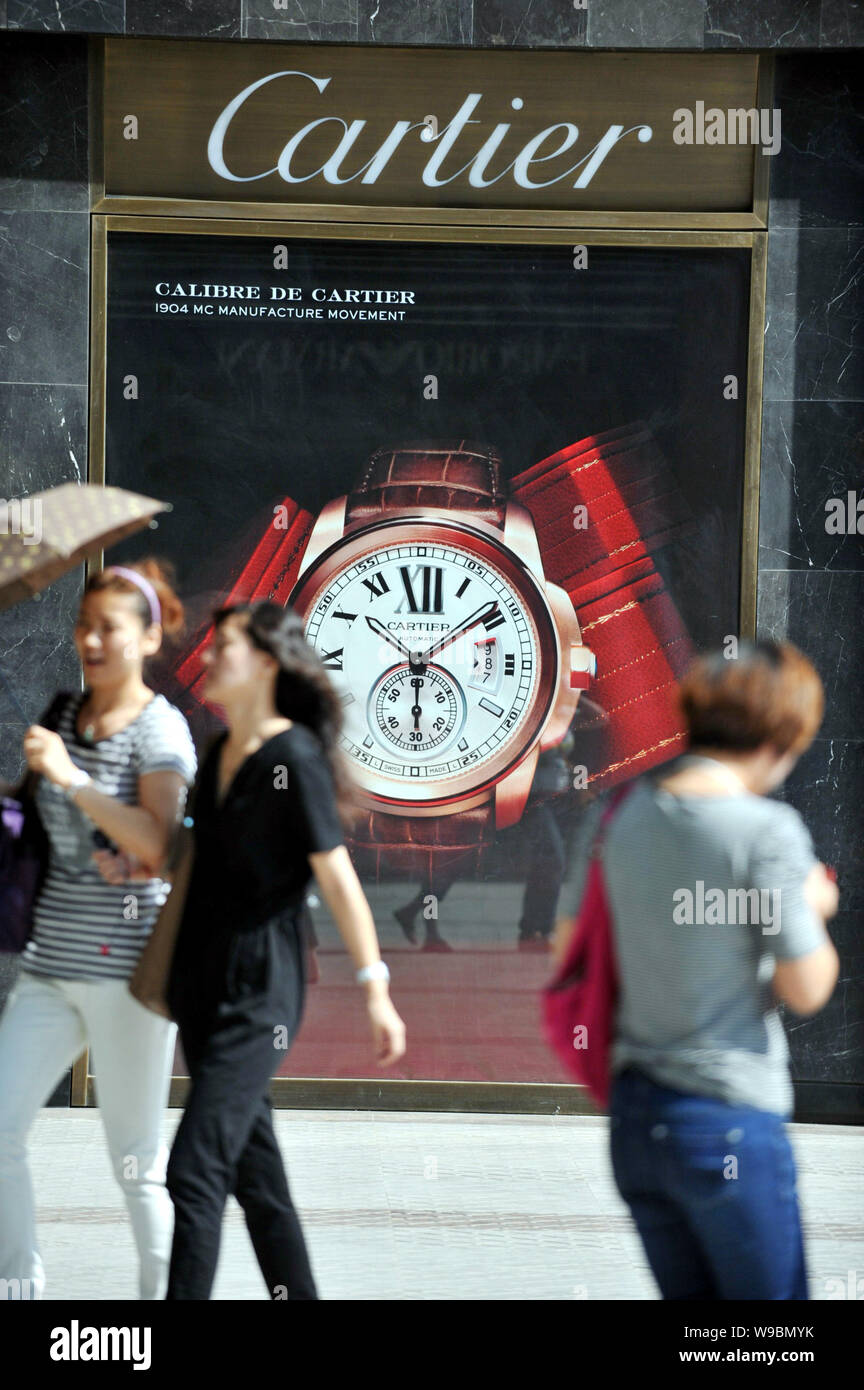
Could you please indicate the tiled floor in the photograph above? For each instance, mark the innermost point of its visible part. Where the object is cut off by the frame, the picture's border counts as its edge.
(408, 1206)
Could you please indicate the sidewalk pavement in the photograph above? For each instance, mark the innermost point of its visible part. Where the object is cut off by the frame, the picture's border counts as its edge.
(429, 1206)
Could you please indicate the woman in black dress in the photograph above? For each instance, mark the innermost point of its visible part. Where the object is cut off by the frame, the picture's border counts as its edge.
(266, 811)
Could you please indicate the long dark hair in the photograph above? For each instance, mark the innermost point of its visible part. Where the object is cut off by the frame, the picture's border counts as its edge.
(303, 689)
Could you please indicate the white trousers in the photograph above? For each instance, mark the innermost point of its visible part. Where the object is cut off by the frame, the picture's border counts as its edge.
(46, 1024)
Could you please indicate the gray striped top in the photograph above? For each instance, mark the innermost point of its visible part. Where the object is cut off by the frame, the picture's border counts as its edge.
(83, 927)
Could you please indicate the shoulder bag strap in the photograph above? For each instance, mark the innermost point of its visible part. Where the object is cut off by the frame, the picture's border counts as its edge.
(26, 789)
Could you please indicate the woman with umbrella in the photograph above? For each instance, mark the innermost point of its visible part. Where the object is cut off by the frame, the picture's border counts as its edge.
(119, 762)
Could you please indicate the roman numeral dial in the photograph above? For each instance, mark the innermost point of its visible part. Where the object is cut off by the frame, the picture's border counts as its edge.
(435, 658)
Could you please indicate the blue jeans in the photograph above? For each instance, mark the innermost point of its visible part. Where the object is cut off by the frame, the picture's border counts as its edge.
(711, 1188)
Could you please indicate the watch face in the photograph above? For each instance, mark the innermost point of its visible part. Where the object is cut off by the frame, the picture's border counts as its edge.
(442, 647)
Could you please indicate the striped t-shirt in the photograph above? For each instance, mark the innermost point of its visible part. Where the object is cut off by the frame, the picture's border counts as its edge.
(83, 927)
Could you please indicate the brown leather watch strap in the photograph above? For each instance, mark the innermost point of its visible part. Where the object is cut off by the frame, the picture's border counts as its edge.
(459, 476)
(435, 849)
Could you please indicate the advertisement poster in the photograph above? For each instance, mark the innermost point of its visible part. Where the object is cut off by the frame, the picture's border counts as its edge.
(476, 469)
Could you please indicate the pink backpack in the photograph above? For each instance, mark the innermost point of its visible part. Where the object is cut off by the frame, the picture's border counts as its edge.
(579, 1001)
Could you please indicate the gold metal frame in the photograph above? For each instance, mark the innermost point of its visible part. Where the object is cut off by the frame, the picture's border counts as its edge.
(326, 1093)
(372, 1093)
(401, 217)
(747, 230)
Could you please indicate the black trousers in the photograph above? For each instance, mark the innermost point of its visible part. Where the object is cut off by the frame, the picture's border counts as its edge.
(238, 1000)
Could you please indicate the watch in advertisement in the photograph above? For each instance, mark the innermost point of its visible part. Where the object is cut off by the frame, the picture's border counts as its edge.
(457, 661)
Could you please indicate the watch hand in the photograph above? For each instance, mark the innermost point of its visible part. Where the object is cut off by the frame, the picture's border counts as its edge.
(415, 708)
(381, 631)
(464, 626)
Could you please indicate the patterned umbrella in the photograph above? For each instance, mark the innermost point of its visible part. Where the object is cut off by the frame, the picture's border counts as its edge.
(44, 536)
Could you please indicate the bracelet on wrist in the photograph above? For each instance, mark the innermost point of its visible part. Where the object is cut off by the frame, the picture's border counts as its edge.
(376, 971)
(79, 779)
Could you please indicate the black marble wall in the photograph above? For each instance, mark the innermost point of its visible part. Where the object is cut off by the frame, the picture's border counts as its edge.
(44, 298)
(810, 585)
(663, 24)
(811, 582)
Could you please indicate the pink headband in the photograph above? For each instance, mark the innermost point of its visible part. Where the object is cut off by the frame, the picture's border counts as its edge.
(144, 585)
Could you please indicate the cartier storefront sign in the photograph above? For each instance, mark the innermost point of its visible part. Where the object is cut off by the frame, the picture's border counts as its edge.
(290, 124)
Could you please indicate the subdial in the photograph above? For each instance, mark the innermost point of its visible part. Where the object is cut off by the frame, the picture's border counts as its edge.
(416, 713)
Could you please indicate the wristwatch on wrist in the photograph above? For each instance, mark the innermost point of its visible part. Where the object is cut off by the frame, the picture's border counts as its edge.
(457, 661)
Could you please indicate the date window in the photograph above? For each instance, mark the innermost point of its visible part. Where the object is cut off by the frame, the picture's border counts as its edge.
(487, 666)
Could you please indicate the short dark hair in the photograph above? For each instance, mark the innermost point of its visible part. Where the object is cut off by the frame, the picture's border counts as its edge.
(768, 693)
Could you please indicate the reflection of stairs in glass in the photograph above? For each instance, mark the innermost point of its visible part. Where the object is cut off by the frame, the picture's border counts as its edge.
(472, 1014)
